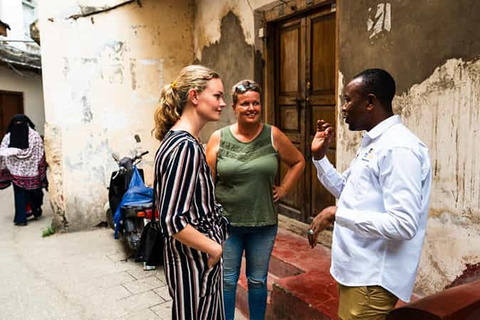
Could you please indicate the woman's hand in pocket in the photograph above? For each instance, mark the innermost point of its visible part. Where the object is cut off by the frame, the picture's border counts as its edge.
(214, 255)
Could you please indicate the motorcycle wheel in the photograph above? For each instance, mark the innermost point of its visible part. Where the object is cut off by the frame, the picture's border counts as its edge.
(133, 232)
(133, 240)
(110, 219)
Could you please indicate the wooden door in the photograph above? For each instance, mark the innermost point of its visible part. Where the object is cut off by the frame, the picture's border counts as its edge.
(304, 92)
(11, 103)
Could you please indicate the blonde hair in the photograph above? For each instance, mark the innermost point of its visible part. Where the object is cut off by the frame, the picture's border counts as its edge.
(174, 96)
(243, 86)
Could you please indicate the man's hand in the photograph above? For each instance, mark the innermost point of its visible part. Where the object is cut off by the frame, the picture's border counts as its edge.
(321, 221)
(322, 139)
(215, 255)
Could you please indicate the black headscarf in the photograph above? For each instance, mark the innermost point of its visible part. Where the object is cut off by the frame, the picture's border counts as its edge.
(18, 129)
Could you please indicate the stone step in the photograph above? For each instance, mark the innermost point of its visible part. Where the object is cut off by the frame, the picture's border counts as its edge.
(299, 282)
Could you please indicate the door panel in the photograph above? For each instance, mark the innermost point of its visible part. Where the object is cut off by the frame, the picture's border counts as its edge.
(290, 116)
(323, 54)
(289, 55)
(304, 92)
(321, 32)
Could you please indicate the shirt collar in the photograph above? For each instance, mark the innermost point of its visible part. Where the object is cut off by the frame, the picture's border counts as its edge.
(382, 127)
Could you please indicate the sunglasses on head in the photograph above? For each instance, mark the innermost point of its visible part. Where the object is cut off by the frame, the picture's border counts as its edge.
(244, 87)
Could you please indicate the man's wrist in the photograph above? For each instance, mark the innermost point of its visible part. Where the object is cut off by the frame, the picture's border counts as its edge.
(318, 156)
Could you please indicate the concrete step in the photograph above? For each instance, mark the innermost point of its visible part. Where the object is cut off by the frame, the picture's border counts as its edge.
(299, 282)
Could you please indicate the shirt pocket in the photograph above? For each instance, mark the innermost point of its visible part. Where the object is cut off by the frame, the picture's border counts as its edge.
(363, 180)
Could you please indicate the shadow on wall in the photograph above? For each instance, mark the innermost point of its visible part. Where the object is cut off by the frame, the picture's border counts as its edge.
(233, 58)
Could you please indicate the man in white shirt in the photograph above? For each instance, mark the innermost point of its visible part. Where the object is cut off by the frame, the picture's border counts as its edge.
(381, 214)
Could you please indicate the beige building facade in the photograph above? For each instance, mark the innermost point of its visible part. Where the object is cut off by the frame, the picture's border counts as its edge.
(104, 66)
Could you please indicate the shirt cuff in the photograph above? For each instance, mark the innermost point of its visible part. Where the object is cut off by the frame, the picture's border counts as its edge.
(345, 217)
(322, 165)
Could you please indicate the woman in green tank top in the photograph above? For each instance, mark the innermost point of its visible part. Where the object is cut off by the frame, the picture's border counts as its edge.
(244, 161)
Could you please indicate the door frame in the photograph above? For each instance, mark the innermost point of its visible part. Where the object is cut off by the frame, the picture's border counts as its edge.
(266, 21)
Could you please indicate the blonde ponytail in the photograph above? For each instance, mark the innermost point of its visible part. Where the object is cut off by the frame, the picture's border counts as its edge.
(174, 96)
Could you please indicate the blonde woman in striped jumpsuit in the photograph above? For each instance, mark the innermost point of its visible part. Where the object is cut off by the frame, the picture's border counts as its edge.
(191, 220)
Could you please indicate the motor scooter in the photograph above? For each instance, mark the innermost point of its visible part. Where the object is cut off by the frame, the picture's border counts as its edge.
(128, 205)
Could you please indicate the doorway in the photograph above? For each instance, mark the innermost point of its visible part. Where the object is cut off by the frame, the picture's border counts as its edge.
(304, 91)
(11, 103)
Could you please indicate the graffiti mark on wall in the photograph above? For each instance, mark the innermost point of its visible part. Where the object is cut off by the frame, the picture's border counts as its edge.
(111, 61)
(379, 21)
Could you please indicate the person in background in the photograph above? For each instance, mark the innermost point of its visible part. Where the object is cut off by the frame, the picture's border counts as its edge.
(383, 198)
(22, 163)
(244, 161)
(190, 218)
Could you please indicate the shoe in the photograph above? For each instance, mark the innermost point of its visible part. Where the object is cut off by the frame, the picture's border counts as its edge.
(20, 224)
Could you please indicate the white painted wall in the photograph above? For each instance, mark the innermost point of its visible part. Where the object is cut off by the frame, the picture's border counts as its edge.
(102, 80)
(31, 85)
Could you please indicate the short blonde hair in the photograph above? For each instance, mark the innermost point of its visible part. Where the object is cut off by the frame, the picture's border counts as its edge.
(174, 96)
(243, 86)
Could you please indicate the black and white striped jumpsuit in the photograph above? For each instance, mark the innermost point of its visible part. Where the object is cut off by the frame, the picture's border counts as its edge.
(185, 195)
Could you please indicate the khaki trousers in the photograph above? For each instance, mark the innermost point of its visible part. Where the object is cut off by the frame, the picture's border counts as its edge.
(366, 303)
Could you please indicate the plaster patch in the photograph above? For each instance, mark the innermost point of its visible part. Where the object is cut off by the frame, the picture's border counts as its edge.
(87, 112)
(147, 88)
(443, 111)
(54, 157)
(208, 18)
(450, 246)
(111, 61)
(379, 21)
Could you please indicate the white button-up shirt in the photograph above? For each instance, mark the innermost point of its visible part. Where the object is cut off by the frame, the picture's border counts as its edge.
(382, 209)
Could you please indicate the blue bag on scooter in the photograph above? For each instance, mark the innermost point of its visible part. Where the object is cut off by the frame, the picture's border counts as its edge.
(137, 193)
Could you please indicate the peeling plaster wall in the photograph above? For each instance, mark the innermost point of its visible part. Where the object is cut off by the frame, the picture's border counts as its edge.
(224, 40)
(102, 80)
(31, 85)
(431, 49)
(208, 20)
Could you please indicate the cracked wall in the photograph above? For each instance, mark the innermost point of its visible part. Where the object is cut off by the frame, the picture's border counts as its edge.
(224, 40)
(431, 51)
(102, 79)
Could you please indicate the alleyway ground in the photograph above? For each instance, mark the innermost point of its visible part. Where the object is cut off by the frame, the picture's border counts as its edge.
(72, 276)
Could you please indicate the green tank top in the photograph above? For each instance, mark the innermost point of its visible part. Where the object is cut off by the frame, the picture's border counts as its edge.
(245, 177)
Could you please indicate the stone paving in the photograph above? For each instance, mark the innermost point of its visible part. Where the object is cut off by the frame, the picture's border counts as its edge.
(73, 276)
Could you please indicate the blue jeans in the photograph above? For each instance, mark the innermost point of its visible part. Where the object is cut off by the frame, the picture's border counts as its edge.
(257, 242)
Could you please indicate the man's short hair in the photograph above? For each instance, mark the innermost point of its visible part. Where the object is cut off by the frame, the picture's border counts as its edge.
(380, 83)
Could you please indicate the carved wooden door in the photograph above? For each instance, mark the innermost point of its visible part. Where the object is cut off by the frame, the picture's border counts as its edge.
(304, 92)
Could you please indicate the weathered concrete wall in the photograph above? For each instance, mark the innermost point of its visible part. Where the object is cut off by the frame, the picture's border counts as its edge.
(224, 40)
(103, 72)
(431, 49)
(30, 84)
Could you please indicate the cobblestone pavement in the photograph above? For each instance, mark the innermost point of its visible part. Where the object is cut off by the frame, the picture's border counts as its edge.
(78, 275)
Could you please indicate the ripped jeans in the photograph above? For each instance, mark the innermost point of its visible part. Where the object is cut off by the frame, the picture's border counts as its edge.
(257, 242)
